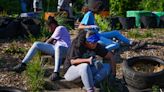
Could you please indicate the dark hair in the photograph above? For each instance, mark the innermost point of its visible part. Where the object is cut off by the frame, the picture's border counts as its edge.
(81, 37)
(51, 20)
(97, 6)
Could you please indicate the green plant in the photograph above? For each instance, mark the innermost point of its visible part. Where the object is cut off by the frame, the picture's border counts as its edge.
(62, 19)
(35, 75)
(155, 88)
(50, 5)
(11, 6)
(152, 5)
(77, 5)
(13, 49)
(3, 13)
(102, 22)
(148, 34)
(118, 7)
(134, 34)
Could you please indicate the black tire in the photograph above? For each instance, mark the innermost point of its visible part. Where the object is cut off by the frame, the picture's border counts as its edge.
(10, 30)
(132, 89)
(128, 22)
(161, 24)
(149, 22)
(143, 80)
(4, 21)
(115, 23)
(10, 89)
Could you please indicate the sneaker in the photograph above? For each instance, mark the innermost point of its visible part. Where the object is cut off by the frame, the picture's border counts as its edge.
(55, 76)
(138, 45)
(20, 68)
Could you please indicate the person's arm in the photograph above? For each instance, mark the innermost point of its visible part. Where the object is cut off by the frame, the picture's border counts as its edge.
(55, 36)
(110, 56)
(51, 41)
(81, 60)
(82, 26)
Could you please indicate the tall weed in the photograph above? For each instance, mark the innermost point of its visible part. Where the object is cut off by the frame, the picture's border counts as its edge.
(35, 75)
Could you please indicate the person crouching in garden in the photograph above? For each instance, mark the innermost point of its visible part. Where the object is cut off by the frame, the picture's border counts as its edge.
(81, 63)
(56, 46)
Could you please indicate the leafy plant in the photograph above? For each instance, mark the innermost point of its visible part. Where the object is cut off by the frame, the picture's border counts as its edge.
(3, 13)
(50, 5)
(116, 7)
(11, 6)
(35, 75)
(62, 19)
(152, 5)
(102, 22)
(155, 88)
(13, 49)
(77, 5)
(148, 34)
(135, 33)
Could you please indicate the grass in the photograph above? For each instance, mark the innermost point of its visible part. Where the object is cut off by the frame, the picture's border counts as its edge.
(139, 34)
(35, 75)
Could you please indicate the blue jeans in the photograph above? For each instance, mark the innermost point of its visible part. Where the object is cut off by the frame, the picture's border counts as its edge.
(23, 5)
(105, 39)
(57, 51)
(89, 74)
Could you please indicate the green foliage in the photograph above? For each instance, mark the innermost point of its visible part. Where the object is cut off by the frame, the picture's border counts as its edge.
(3, 14)
(148, 34)
(152, 5)
(102, 22)
(14, 50)
(50, 5)
(135, 33)
(11, 6)
(31, 38)
(35, 75)
(62, 19)
(77, 6)
(117, 7)
(155, 88)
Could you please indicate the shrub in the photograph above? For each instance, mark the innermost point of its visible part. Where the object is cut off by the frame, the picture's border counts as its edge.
(102, 22)
(134, 34)
(11, 6)
(35, 75)
(152, 5)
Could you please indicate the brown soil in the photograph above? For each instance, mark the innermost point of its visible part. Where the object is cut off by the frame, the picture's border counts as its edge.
(147, 68)
(8, 59)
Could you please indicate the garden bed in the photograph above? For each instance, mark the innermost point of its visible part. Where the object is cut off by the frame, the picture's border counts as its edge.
(8, 60)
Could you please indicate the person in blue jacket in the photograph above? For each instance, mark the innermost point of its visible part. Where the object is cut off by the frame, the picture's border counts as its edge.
(88, 22)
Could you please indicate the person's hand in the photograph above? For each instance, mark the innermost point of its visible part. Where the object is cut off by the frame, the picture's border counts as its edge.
(94, 26)
(90, 59)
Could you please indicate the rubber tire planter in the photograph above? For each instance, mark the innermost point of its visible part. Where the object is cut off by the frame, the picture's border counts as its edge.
(141, 80)
(10, 89)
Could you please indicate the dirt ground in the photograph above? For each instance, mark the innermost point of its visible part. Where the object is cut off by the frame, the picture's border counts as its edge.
(9, 57)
